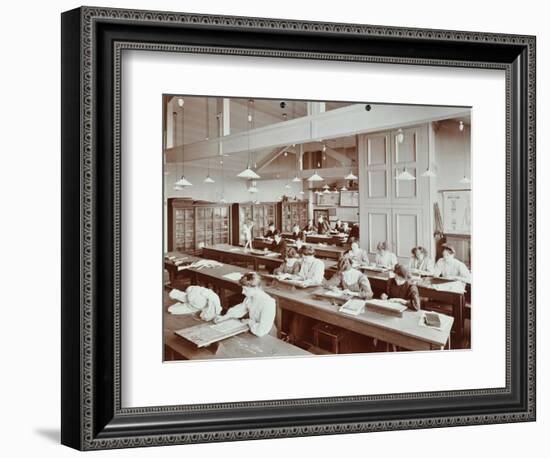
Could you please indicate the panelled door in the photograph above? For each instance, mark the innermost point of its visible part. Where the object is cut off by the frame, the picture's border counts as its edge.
(406, 232)
(392, 210)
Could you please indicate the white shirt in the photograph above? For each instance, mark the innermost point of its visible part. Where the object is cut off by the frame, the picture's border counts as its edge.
(452, 267)
(198, 298)
(386, 259)
(358, 257)
(261, 309)
(426, 265)
(312, 271)
(352, 276)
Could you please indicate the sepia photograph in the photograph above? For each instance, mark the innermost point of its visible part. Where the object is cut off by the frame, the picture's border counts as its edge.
(304, 228)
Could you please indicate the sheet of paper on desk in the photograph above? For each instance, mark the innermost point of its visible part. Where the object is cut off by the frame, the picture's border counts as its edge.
(353, 307)
(234, 276)
(387, 304)
(337, 293)
(453, 286)
(235, 249)
(203, 335)
(180, 308)
(272, 255)
(229, 326)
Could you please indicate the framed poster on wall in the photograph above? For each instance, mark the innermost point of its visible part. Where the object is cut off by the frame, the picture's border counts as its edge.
(457, 211)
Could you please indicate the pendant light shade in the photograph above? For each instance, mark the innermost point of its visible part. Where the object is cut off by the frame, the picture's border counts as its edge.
(326, 186)
(315, 177)
(405, 175)
(301, 192)
(296, 180)
(429, 173)
(343, 188)
(249, 174)
(182, 182)
(287, 186)
(464, 180)
(209, 179)
(326, 191)
(350, 176)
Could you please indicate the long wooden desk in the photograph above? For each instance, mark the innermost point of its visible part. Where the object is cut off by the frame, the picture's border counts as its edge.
(320, 238)
(245, 345)
(404, 332)
(321, 250)
(236, 254)
(378, 280)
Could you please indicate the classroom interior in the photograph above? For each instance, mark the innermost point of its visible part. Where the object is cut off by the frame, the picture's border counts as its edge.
(250, 183)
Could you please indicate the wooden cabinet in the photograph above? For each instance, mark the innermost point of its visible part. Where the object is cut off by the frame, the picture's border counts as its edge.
(262, 214)
(192, 225)
(291, 212)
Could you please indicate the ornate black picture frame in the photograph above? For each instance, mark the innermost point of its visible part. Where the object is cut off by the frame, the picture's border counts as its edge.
(92, 42)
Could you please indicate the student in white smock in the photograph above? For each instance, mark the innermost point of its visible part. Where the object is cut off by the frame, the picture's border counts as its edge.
(258, 305)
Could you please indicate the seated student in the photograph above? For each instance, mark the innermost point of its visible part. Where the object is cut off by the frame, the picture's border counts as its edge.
(300, 242)
(357, 255)
(384, 257)
(420, 260)
(312, 270)
(309, 228)
(198, 298)
(323, 226)
(259, 306)
(345, 228)
(291, 263)
(401, 287)
(338, 225)
(450, 267)
(350, 279)
(270, 231)
(354, 231)
(279, 244)
(296, 231)
(247, 233)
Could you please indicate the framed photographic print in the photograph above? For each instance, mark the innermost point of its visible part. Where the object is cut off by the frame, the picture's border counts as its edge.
(273, 228)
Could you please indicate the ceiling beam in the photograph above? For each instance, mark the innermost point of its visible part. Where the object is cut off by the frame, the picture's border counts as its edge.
(338, 156)
(266, 160)
(342, 122)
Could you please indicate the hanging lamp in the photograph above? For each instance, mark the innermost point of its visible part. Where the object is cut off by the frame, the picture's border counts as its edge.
(405, 175)
(248, 173)
(429, 173)
(399, 136)
(182, 182)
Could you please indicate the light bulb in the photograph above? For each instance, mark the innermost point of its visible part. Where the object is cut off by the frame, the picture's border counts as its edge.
(181, 102)
(399, 136)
